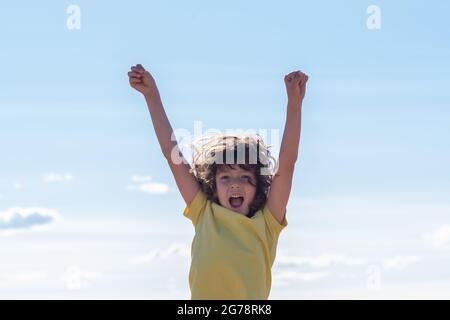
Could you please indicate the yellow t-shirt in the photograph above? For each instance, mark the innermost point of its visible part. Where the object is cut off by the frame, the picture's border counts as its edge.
(232, 255)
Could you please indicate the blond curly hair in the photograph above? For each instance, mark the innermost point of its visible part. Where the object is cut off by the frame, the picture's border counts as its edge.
(211, 153)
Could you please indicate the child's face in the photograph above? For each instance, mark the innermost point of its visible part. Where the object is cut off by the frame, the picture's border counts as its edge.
(235, 182)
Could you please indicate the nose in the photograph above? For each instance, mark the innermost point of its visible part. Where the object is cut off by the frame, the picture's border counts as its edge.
(235, 184)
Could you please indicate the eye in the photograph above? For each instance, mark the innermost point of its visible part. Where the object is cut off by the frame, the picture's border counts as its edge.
(248, 178)
(224, 177)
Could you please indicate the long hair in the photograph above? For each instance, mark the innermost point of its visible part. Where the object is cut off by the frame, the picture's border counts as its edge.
(211, 153)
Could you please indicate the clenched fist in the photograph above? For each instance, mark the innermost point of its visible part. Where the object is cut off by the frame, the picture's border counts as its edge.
(142, 81)
(296, 87)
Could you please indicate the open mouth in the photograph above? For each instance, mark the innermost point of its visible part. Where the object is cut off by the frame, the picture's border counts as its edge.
(236, 202)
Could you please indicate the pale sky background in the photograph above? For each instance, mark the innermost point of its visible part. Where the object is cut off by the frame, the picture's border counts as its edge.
(88, 206)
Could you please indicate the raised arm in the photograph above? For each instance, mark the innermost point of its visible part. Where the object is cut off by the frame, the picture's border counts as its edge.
(142, 81)
(282, 181)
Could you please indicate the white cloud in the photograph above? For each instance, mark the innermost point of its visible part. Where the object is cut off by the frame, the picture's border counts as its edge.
(177, 249)
(399, 262)
(17, 220)
(76, 279)
(142, 184)
(392, 290)
(138, 178)
(17, 185)
(54, 177)
(22, 277)
(153, 187)
(286, 277)
(321, 261)
(441, 237)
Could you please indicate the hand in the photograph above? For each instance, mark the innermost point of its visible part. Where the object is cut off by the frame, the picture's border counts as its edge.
(296, 87)
(142, 81)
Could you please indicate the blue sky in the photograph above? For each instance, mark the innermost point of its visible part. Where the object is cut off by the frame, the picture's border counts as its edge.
(78, 148)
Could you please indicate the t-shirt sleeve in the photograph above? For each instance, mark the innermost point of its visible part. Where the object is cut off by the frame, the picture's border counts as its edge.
(196, 208)
(272, 224)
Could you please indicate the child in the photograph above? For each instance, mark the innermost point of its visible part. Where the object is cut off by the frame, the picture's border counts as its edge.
(238, 210)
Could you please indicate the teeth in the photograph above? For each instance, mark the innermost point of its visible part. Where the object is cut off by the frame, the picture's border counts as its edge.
(236, 196)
